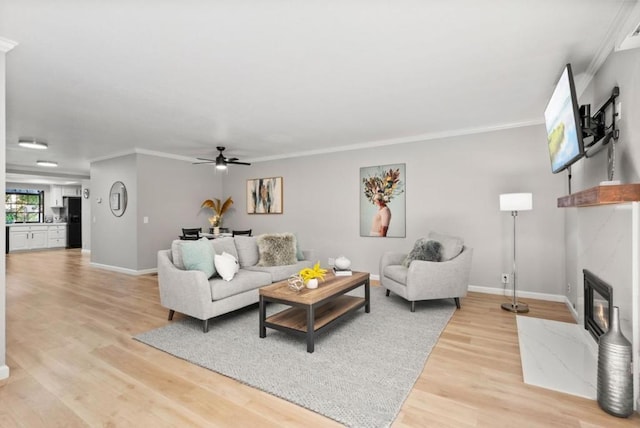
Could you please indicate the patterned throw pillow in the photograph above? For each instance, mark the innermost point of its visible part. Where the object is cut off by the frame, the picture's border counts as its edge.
(277, 249)
(423, 249)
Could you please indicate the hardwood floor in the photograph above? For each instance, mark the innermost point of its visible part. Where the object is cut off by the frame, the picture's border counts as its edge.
(73, 363)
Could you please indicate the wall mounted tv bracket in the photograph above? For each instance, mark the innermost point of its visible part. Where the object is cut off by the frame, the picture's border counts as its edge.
(595, 126)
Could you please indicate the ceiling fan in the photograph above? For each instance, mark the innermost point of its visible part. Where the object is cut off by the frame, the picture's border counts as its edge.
(221, 161)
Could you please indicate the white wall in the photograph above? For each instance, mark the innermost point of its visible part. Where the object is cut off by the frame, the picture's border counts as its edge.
(114, 239)
(600, 238)
(86, 217)
(168, 192)
(452, 186)
(589, 230)
(4, 369)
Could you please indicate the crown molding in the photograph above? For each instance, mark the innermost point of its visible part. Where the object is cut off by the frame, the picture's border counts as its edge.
(142, 152)
(609, 42)
(404, 140)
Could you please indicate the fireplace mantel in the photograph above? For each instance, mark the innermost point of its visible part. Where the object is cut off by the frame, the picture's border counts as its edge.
(602, 195)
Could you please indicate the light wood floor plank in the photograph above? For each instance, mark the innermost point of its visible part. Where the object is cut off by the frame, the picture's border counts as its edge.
(73, 363)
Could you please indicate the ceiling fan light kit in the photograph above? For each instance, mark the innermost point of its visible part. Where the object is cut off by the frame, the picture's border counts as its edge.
(220, 164)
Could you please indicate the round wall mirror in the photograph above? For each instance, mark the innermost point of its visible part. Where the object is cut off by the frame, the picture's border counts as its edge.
(118, 198)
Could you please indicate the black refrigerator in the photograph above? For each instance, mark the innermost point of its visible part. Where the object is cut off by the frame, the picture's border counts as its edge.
(73, 208)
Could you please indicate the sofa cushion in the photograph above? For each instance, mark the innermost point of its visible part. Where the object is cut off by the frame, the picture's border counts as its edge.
(280, 273)
(243, 281)
(226, 244)
(198, 255)
(424, 249)
(226, 265)
(398, 273)
(247, 248)
(277, 249)
(451, 245)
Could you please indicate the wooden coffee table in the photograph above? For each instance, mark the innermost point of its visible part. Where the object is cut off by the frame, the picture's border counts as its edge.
(313, 309)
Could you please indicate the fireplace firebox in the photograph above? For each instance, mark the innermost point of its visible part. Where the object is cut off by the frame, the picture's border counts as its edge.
(598, 304)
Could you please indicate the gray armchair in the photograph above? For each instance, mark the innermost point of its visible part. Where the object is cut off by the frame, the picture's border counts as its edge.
(426, 280)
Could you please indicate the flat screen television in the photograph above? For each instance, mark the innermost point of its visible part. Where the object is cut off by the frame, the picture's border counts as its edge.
(562, 119)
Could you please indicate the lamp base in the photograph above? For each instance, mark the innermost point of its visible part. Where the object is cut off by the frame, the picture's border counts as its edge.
(518, 308)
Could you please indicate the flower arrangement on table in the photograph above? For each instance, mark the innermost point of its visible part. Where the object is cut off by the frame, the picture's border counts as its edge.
(308, 274)
(218, 209)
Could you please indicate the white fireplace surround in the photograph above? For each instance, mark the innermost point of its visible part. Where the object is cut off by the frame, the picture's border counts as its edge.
(608, 244)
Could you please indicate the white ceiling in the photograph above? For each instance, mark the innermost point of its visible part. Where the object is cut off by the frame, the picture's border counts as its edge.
(274, 78)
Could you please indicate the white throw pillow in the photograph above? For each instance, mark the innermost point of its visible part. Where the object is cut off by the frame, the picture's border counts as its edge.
(235, 260)
(226, 265)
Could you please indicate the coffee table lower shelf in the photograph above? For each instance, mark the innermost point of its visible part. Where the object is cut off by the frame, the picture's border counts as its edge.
(296, 318)
(312, 310)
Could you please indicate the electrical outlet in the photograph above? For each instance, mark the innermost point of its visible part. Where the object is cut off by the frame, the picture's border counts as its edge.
(505, 278)
(331, 261)
(568, 287)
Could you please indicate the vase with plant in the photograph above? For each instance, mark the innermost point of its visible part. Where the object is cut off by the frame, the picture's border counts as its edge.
(310, 276)
(218, 208)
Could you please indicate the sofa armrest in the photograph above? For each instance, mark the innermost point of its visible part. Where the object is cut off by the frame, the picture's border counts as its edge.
(440, 279)
(310, 255)
(390, 258)
(185, 291)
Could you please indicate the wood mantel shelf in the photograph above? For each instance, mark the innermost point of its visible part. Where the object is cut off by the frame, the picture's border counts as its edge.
(602, 195)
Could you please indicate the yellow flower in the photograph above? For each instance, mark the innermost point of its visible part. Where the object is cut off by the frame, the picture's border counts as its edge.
(309, 273)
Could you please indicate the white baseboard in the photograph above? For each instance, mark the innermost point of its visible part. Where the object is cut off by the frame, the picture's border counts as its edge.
(529, 294)
(85, 251)
(573, 311)
(124, 270)
(4, 372)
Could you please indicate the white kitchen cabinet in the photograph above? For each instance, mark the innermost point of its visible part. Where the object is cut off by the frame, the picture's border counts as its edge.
(28, 238)
(71, 191)
(55, 197)
(18, 239)
(57, 236)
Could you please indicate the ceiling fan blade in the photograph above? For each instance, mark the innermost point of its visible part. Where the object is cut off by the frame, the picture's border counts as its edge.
(231, 159)
(237, 163)
(204, 160)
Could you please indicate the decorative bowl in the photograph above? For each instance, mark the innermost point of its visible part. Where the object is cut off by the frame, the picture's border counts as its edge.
(342, 262)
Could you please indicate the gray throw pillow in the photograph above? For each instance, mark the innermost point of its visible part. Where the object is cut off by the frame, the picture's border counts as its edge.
(247, 250)
(277, 249)
(225, 245)
(423, 249)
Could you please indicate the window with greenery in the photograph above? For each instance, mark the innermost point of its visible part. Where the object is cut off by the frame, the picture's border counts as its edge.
(24, 206)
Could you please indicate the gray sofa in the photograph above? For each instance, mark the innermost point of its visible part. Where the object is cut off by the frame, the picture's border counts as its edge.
(190, 291)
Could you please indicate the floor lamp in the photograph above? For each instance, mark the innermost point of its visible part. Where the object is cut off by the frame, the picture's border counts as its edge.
(515, 202)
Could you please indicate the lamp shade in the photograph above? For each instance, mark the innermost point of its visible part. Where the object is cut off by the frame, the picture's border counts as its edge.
(516, 202)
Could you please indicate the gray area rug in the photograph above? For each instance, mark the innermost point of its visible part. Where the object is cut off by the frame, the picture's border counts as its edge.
(362, 370)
